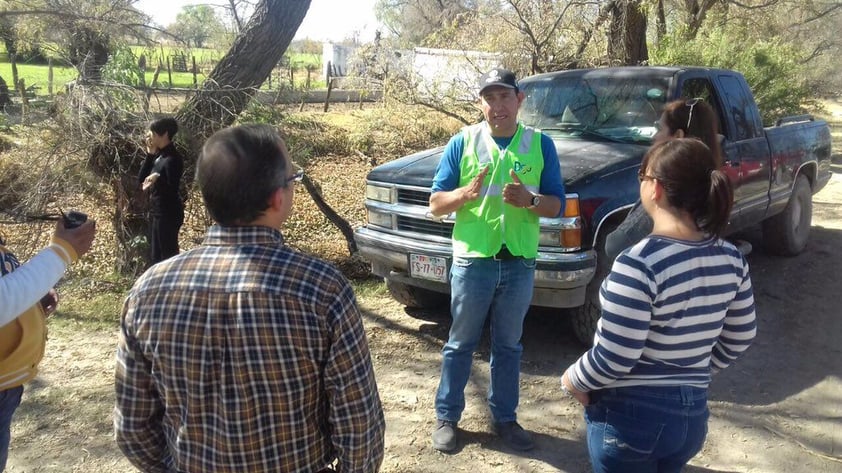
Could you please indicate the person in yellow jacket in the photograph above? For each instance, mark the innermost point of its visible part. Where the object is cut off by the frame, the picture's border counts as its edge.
(499, 177)
(26, 298)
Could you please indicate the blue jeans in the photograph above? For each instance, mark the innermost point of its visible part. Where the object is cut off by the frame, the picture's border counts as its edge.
(483, 288)
(652, 429)
(9, 401)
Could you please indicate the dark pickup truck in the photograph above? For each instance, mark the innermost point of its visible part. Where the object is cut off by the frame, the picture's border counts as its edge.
(602, 122)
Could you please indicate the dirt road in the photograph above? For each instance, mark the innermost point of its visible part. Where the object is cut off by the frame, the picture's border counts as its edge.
(778, 409)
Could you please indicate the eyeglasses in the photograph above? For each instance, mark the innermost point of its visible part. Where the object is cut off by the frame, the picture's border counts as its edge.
(642, 176)
(298, 176)
(691, 103)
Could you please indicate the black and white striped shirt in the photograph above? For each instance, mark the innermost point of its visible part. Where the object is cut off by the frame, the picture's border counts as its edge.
(672, 311)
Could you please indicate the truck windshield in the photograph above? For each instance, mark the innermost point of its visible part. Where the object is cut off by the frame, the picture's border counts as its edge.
(611, 108)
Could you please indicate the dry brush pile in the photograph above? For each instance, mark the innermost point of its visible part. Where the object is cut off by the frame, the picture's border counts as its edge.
(52, 165)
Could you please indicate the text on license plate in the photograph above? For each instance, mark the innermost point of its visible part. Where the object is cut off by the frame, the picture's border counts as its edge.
(428, 267)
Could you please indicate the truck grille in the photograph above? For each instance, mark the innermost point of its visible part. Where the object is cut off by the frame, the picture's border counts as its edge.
(413, 197)
(410, 224)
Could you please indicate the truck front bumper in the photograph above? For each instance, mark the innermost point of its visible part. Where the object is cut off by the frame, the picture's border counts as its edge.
(560, 278)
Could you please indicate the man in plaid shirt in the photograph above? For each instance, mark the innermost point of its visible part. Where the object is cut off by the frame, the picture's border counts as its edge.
(243, 355)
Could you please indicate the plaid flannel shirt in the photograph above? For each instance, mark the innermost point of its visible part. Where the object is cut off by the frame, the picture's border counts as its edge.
(243, 355)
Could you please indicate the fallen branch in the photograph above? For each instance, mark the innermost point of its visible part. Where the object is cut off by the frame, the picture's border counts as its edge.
(800, 444)
(327, 210)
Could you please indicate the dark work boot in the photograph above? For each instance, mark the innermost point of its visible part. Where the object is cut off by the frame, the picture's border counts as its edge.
(514, 436)
(444, 436)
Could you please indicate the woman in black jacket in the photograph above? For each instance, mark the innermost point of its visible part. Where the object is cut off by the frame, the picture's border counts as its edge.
(160, 175)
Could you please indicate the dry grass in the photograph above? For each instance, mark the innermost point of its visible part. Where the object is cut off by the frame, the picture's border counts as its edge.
(337, 149)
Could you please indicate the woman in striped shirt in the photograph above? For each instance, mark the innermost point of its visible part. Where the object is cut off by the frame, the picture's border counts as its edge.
(676, 307)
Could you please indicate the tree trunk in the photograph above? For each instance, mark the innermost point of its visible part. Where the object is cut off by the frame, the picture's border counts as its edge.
(235, 79)
(660, 22)
(695, 13)
(603, 14)
(4, 93)
(222, 97)
(130, 220)
(88, 52)
(627, 34)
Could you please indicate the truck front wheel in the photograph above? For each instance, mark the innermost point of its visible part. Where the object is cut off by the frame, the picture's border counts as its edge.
(786, 233)
(585, 317)
(416, 297)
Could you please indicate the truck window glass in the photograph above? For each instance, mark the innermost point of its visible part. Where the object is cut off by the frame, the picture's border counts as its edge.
(739, 107)
(616, 110)
(702, 88)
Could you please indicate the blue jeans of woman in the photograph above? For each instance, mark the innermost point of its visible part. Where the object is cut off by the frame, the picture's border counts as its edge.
(9, 401)
(651, 429)
(485, 288)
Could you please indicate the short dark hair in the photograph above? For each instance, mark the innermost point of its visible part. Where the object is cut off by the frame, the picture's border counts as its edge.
(238, 170)
(164, 125)
(686, 170)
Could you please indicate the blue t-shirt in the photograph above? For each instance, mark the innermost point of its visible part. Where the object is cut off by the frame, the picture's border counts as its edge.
(447, 173)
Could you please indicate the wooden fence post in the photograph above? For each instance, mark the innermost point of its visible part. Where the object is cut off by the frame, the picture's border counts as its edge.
(329, 88)
(141, 65)
(50, 77)
(13, 60)
(195, 72)
(169, 71)
(329, 84)
(24, 100)
(153, 84)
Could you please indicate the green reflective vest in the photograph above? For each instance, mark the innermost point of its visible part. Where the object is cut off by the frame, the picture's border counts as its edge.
(485, 224)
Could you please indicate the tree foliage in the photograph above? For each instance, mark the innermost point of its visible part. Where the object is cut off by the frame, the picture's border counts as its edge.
(108, 127)
(771, 67)
(82, 32)
(195, 24)
(415, 22)
(544, 35)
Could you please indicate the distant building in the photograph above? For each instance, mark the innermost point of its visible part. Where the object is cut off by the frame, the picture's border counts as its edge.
(452, 71)
(436, 71)
(335, 60)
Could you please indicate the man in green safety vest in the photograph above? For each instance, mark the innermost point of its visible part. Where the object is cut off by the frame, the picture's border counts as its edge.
(499, 176)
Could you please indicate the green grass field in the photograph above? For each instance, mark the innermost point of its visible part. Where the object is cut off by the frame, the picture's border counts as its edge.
(37, 74)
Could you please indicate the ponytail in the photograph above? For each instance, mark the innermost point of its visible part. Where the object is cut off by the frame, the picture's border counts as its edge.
(720, 201)
(686, 170)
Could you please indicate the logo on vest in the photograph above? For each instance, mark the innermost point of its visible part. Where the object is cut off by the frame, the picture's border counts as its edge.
(520, 168)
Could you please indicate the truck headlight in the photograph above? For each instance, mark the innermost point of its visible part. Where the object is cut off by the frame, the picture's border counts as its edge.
(380, 219)
(380, 193)
(549, 238)
(564, 232)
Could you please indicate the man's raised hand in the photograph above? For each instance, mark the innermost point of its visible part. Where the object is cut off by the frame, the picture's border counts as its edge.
(515, 193)
(474, 188)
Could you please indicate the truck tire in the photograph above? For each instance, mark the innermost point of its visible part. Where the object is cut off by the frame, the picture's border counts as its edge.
(786, 233)
(416, 297)
(585, 317)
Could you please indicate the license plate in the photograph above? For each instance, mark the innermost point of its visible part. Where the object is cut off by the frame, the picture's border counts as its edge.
(428, 267)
